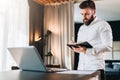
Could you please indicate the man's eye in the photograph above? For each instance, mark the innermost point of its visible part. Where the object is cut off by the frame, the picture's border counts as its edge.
(87, 14)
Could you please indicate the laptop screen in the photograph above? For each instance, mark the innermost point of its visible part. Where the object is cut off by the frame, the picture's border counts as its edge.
(27, 58)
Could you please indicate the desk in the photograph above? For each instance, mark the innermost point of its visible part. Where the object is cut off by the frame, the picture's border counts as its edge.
(30, 75)
(110, 62)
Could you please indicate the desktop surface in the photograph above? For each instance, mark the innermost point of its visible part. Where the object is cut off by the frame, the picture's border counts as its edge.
(30, 75)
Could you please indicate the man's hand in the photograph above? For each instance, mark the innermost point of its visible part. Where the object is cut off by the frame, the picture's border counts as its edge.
(79, 49)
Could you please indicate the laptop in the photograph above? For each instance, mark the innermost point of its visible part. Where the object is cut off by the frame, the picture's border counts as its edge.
(29, 59)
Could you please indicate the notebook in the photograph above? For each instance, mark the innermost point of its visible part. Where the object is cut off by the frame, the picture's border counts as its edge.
(76, 45)
(28, 58)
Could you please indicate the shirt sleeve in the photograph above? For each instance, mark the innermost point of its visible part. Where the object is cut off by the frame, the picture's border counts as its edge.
(106, 40)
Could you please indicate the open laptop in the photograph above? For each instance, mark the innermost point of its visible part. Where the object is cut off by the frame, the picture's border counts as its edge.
(28, 58)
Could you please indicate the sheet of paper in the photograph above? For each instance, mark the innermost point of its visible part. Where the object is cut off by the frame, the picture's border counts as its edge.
(77, 72)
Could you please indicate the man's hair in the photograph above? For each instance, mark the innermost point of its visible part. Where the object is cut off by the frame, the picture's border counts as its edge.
(87, 4)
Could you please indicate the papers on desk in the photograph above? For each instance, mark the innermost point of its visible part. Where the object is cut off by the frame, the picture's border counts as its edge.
(77, 72)
(84, 75)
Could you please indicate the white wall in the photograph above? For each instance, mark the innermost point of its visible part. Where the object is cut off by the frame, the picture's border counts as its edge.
(106, 9)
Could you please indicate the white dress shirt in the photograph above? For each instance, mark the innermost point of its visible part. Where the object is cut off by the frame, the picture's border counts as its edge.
(99, 35)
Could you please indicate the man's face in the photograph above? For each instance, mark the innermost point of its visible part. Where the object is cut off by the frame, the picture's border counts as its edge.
(88, 15)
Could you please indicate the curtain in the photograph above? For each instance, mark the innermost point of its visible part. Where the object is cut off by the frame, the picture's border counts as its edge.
(59, 20)
(14, 29)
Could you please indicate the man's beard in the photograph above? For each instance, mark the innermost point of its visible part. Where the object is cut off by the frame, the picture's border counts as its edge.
(89, 21)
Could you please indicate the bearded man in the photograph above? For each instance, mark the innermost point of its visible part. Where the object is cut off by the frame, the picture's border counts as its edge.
(98, 33)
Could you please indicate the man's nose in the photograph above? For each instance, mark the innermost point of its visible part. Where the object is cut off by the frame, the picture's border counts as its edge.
(84, 16)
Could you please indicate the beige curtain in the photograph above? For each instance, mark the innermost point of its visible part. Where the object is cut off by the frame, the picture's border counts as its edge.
(59, 20)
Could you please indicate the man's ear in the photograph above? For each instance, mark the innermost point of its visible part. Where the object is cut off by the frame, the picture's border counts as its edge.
(94, 11)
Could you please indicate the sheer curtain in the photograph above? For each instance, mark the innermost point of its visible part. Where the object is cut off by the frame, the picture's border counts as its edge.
(14, 29)
(59, 20)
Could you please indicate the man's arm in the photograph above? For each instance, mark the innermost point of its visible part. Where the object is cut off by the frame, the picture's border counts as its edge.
(106, 39)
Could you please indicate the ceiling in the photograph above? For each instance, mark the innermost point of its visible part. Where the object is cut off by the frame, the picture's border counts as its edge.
(106, 9)
(47, 2)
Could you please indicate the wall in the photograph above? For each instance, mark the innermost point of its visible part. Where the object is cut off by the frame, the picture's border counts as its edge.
(108, 12)
(36, 26)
